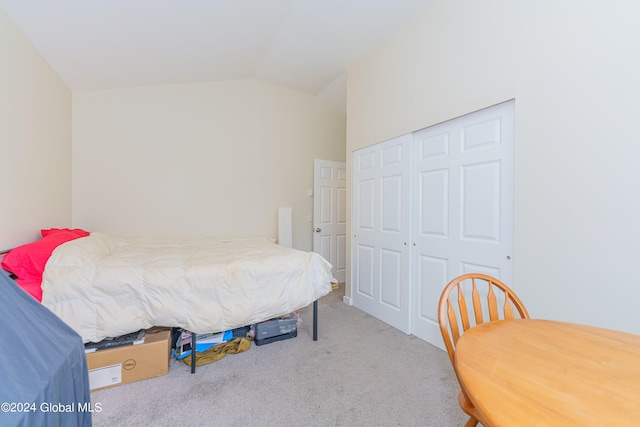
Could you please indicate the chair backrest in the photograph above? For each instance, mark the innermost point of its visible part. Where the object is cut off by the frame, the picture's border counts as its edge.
(488, 297)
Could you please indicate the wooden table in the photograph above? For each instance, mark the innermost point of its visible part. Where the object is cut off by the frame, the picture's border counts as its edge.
(546, 373)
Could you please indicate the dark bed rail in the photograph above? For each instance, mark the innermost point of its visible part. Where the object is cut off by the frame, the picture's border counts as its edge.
(315, 337)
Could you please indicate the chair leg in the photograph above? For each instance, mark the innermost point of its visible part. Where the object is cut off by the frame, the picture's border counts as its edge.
(471, 423)
(468, 409)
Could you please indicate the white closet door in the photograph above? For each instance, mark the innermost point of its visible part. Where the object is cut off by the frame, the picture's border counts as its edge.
(381, 230)
(463, 207)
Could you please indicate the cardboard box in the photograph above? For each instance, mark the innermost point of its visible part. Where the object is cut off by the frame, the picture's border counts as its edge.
(129, 363)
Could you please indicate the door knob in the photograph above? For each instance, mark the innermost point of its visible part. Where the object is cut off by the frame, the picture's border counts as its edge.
(318, 230)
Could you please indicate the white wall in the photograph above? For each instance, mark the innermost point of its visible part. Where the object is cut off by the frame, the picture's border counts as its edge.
(572, 67)
(35, 141)
(206, 158)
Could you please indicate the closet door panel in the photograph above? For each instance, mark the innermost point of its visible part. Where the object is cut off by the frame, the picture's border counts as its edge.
(463, 207)
(381, 183)
(364, 273)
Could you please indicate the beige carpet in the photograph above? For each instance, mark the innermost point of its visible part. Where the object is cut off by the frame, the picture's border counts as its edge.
(360, 372)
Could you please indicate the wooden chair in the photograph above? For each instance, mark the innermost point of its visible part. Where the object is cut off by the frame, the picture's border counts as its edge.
(490, 300)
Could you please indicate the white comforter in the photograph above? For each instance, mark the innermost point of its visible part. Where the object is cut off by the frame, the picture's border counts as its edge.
(104, 286)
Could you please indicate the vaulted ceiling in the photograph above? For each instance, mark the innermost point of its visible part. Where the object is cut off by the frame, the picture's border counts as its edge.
(304, 45)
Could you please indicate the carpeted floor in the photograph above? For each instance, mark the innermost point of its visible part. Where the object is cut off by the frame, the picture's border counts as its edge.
(360, 372)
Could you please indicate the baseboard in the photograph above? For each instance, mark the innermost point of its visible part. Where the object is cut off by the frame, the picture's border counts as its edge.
(346, 300)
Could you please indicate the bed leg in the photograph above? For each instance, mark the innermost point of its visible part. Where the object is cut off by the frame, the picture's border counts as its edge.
(315, 320)
(193, 353)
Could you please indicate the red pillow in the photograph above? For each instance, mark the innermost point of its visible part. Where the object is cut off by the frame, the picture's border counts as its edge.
(28, 261)
(80, 232)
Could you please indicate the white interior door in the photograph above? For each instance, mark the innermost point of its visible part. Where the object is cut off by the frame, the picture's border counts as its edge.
(463, 205)
(330, 214)
(381, 231)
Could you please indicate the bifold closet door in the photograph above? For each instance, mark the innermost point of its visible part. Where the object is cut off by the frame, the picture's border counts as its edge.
(462, 207)
(381, 231)
(427, 207)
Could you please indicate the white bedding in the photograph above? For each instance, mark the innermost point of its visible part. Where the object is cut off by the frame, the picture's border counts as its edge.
(105, 286)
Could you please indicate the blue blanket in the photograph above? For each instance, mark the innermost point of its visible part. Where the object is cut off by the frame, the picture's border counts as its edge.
(43, 370)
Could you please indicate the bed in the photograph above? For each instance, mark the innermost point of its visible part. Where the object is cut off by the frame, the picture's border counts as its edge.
(106, 286)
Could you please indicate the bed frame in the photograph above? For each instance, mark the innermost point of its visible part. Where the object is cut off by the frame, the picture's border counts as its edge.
(315, 337)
